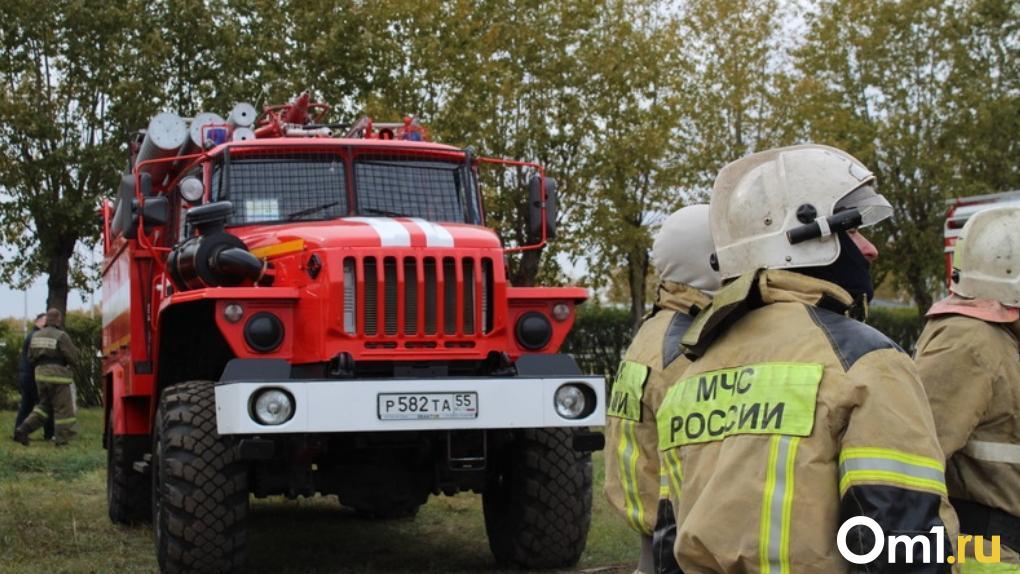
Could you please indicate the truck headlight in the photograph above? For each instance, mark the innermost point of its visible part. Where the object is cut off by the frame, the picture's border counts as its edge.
(571, 402)
(533, 331)
(273, 407)
(264, 332)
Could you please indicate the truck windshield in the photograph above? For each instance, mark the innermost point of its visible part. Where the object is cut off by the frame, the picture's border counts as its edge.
(275, 188)
(306, 187)
(409, 186)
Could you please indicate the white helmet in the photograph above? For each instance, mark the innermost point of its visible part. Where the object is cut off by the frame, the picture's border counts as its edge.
(777, 209)
(683, 248)
(986, 262)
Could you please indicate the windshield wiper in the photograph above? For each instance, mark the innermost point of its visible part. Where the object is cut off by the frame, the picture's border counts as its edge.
(311, 210)
(384, 212)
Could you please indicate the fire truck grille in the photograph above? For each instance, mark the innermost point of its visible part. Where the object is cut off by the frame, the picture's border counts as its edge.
(418, 296)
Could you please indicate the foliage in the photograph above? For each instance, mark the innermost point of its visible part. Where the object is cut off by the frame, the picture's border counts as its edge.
(633, 105)
(599, 338)
(901, 324)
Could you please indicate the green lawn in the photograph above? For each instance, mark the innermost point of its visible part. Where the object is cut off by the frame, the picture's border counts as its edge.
(53, 519)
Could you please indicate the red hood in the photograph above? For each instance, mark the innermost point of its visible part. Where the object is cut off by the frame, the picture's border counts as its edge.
(370, 232)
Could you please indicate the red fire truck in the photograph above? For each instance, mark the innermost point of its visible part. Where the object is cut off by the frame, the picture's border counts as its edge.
(287, 312)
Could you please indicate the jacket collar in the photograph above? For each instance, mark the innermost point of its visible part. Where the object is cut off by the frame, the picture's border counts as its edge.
(680, 297)
(756, 289)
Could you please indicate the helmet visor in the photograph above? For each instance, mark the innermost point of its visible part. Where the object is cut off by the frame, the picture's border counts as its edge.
(871, 205)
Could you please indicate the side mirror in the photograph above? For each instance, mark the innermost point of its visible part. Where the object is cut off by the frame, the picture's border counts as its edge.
(535, 203)
(124, 218)
(154, 213)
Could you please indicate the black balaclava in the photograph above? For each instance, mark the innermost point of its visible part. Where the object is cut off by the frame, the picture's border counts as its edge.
(851, 271)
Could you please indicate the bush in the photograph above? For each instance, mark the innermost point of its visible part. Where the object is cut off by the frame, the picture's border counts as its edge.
(599, 338)
(901, 324)
(86, 333)
(601, 334)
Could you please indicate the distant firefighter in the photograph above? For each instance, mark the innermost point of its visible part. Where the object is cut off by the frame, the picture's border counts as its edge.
(51, 353)
(26, 381)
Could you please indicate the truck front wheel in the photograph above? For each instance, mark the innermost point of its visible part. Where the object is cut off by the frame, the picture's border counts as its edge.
(537, 502)
(199, 485)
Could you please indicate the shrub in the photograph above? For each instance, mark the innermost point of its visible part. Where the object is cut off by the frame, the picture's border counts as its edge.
(599, 338)
(901, 324)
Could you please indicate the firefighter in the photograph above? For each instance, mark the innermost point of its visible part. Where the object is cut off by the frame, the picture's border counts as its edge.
(681, 254)
(967, 357)
(795, 417)
(51, 353)
(26, 381)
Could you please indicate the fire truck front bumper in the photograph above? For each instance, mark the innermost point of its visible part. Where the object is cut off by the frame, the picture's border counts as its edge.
(260, 403)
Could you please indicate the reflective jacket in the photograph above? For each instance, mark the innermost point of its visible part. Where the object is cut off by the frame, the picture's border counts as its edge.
(652, 362)
(971, 371)
(793, 419)
(51, 353)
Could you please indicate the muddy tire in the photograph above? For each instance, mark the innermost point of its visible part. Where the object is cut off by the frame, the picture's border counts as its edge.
(199, 486)
(538, 500)
(128, 492)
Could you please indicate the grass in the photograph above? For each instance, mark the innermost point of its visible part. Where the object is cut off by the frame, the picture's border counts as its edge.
(53, 519)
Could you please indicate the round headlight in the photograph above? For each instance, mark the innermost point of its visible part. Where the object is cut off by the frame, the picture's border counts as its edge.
(570, 402)
(273, 407)
(233, 312)
(192, 189)
(561, 311)
(263, 332)
(533, 331)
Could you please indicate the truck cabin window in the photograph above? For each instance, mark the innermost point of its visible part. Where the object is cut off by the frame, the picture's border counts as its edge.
(408, 186)
(278, 189)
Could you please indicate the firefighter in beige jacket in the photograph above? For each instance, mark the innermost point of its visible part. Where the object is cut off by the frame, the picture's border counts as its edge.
(795, 417)
(968, 359)
(681, 254)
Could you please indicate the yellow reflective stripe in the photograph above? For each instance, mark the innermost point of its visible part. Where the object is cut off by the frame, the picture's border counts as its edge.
(625, 402)
(766, 499)
(763, 398)
(55, 379)
(975, 567)
(276, 249)
(784, 548)
(628, 454)
(907, 470)
(855, 477)
(897, 455)
(777, 505)
(674, 471)
(663, 482)
(40, 412)
(66, 421)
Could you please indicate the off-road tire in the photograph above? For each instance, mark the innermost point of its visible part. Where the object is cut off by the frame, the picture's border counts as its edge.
(537, 502)
(128, 492)
(200, 486)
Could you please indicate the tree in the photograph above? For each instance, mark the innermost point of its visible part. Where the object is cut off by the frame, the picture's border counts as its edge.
(925, 93)
(635, 105)
(58, 146)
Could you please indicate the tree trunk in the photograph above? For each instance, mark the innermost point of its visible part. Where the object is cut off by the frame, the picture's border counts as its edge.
(525, 272)
(920, 291)
(637, 274)
(58, 270)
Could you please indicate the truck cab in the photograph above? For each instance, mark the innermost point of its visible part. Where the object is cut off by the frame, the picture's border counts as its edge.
(291, 312)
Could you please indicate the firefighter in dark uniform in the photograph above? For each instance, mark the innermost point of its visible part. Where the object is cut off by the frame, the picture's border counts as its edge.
(26, 381)
(51, 353)
(635, 486)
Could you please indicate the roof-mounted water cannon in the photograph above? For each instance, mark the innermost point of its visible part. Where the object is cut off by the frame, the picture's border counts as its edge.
(298, 118)
(407, 130)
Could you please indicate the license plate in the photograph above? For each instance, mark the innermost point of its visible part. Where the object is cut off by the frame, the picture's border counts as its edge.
(426, 406)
